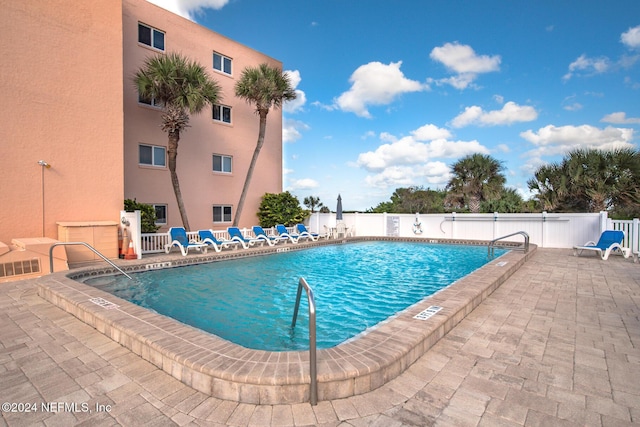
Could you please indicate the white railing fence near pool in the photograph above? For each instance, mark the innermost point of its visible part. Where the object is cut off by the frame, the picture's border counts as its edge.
(155, 242)
(547, 230)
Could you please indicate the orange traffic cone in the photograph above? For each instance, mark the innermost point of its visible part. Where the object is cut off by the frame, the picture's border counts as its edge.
(131, 254)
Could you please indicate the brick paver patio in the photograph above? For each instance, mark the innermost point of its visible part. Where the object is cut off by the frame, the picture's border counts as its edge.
(556, 344)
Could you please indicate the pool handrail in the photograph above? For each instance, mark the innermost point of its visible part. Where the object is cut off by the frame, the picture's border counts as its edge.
(525, 246)
(88, 246)
(313, 372)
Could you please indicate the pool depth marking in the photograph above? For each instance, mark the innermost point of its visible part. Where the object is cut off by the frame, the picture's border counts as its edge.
(425, 314)
(158, 265)
(107, 305)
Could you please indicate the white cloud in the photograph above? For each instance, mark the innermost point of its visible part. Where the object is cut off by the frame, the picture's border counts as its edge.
(433, 174)
(510, 113)
(553, 140)
(302, 184)
(301, 98)
(189, 8)
(631, 38)
(620, 118)
(573, 107)
(412, 151)
(375, 84)
(430, 132)
(292, 130)
(463, 60)
(588, 66)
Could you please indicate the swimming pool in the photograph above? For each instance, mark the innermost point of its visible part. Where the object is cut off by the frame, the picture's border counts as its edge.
(250, 301)
(222, 369)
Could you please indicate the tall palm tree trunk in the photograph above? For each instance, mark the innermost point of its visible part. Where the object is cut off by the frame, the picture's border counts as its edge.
(474, 203)
(254, 160)
(172, 152)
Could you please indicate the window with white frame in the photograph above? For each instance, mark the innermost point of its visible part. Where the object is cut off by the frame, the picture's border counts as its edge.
(222, 163)
(161, 214)
(221, 213)
(222, 113)
(152, 155)
(221, 63)
(150, 36)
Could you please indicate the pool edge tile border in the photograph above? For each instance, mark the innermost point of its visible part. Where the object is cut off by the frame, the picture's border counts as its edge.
(228, 371)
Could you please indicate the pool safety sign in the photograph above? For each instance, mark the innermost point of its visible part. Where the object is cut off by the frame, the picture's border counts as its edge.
(425, 314)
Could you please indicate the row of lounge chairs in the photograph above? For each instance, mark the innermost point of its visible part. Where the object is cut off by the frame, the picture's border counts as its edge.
(206, 239)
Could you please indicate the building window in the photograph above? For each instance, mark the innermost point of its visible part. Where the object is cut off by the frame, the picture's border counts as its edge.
(150, 36)
(221, 163)
(151, 155)
(221, 63)
(222, 214)
(149, 101)
(222, 113)
(161, 214)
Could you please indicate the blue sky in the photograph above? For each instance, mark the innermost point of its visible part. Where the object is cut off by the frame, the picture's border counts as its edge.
(392, 93)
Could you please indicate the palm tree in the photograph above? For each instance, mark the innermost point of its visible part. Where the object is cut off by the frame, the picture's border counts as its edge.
(476, 178)
(550, 183)
(590, 180)
(266, 87)
(312, 203)
(181, 87)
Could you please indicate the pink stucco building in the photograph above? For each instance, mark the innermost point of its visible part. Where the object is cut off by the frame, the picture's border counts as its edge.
(69, 103)
(215, 151)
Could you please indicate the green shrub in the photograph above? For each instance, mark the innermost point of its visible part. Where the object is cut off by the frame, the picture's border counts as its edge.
(147, 215)
(280, 208)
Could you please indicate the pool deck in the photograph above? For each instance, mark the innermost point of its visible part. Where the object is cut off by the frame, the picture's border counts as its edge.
(555, 344)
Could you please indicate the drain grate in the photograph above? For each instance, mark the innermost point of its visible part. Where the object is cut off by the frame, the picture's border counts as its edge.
(425, 314)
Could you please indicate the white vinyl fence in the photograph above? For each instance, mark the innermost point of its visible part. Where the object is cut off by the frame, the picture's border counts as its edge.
(547, 230)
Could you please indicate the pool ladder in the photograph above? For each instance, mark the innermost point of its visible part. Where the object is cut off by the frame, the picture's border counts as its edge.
(524, 247)
(88, 246)
(313, 370)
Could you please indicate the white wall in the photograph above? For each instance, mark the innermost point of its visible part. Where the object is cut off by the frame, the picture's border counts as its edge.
(545, 230)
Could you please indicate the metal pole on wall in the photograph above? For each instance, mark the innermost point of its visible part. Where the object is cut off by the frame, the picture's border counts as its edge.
(47, 166)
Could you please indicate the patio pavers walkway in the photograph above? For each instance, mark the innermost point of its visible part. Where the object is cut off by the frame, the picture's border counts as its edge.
(556, 344)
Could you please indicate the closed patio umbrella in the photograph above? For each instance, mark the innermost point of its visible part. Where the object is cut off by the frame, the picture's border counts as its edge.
(339, 209)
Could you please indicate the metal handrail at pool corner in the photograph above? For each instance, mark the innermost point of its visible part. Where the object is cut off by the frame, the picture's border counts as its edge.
(88, 246)
(491, 246)
(313, 392)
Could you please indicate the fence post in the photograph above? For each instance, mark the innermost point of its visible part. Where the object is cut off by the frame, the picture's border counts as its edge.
(635, 236)
(604, 221)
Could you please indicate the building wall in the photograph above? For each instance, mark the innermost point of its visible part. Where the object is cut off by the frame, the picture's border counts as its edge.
(201, 187)
(61, 102)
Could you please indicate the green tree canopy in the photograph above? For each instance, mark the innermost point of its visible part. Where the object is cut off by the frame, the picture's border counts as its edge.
(412, 200)
(280, 208)
(590, 180)
(312, 203)
(476, 178)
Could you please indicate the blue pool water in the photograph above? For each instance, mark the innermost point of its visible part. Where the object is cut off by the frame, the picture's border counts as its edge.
(250, 301)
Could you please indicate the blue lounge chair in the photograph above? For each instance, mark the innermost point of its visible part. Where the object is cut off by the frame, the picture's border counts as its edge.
(610, 241)
(178, 237)
(306, 233)
(284, 234)
(207, 237)
(236, 235)
(262, 235)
